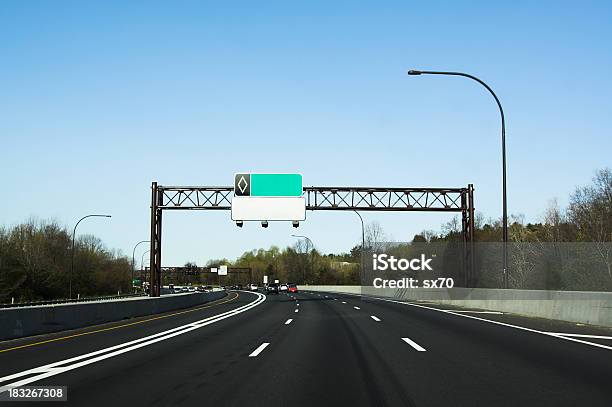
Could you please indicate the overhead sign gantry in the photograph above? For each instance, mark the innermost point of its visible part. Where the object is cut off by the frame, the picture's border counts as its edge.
(314, 199)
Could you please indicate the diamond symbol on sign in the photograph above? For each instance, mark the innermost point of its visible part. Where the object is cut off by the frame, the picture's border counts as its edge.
(242, 184)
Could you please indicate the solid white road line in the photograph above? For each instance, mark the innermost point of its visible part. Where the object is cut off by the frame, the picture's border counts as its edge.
(356, 307)
(288, 321)
(344, 302)
(415, 345)
(581, 335)
(259, 349)
(62, 366)
(480, 312)
(375, 318)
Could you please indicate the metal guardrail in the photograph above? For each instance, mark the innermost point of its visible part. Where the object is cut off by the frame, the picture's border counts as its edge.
(66, 300)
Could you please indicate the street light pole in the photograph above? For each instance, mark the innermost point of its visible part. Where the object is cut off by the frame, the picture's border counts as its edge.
(142, 269)
(142, 259)
(133, 253)
(311, 257)
(72, 250)
(503, 142)
(362, 240)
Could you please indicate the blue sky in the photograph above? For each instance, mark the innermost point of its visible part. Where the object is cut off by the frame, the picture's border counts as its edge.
(100, 99)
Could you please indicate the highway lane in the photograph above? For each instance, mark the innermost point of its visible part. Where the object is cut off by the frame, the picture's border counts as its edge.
(339, 350)
(163, 371)
(470, 360)
(48, 348)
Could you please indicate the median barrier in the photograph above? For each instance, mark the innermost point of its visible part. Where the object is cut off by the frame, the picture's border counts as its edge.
(35, 320)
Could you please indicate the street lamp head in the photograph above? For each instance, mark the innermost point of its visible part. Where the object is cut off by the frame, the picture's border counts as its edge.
(412, 72)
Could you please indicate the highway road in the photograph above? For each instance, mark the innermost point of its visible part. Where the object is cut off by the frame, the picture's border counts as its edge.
(316, 349)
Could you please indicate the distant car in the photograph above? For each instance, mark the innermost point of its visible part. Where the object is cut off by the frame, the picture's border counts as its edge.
(191, 289)
(200, 288)
(176, 289)
(283, 287)
(272, 288)
(185, 289)
(292, 288)
(253, 287)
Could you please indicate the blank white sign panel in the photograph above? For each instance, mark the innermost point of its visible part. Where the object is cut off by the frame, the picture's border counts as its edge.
(268, 208)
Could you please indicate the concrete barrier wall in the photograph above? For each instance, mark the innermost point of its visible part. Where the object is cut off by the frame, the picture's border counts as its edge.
(26, 321)
(593, 308)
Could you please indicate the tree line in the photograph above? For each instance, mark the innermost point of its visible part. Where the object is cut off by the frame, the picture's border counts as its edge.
(300, 264)
(36, 258)
(569, 249)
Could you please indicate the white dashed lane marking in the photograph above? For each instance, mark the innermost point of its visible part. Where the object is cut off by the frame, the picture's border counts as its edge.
(259, 349)
(415, 345)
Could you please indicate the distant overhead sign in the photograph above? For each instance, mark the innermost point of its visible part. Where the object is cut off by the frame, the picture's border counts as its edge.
(268, 197)
(222, 271)
(213, 269)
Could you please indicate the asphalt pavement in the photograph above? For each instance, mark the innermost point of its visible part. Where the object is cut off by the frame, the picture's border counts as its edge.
(315, 349)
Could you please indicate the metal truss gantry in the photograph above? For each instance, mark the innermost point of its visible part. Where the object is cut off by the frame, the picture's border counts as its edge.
(319, 199)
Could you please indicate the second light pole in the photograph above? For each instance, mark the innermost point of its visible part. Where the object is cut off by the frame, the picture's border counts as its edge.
(311, 257)
(142, 268)
(72, 254)
(362, 243)
(133, 253)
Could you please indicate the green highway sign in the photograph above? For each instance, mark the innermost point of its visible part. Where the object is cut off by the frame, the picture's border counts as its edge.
(271, 185)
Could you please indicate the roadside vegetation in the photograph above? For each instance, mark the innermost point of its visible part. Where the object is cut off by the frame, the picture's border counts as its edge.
(569, 249)
(35, 259)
